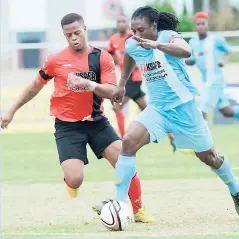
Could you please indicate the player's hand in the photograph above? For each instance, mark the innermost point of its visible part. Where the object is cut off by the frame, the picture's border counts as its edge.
(221, 64)
(145, 43)
(118, 95)
(6, 120)
(77, 83)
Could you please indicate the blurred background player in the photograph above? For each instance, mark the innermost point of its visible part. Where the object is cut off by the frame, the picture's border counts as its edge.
(133, 86)
(210, 52)
(83, 76)
(172, 108)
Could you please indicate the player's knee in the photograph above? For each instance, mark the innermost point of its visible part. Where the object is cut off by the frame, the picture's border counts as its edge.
(211, 158)
(129, 144)
(75, 181)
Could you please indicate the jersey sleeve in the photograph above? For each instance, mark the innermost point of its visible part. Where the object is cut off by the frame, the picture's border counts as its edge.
(130, 46)
(222, 45)
(192, 57)
(107, 66)
(46, 73)
(169, 36)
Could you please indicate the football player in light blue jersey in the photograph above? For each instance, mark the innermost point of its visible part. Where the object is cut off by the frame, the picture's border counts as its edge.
(159, 52)
(210, 52)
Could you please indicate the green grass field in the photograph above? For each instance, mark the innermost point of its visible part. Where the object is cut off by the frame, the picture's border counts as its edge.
(185, 197)
(32, 158)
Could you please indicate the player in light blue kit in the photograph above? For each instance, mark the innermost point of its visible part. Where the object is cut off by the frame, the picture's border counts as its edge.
(158, 50)
(210, 52)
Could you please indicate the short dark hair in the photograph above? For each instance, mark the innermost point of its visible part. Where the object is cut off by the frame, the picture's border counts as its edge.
(164, 20)
(70, 18)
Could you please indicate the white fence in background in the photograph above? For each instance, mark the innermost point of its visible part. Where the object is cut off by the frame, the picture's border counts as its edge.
(103, 44)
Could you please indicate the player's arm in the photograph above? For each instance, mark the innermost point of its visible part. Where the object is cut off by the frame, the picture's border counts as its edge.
(128, 66)
(176, 47)
(28, 94)
(111, 49)
(107, 84)
(223, 46)
(192, 59)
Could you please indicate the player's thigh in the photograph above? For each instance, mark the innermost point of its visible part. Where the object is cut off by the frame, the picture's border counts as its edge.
(71, 141)
(210, 99)
(141, 100)
(189, 128)
(153, 122)
(103, 136)
(135, 137)
(111, 153)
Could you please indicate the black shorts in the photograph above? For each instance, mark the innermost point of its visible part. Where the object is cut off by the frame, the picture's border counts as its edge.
(133, 90)
(72, 138)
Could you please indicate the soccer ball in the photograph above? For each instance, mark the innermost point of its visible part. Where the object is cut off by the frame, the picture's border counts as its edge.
(116, 216)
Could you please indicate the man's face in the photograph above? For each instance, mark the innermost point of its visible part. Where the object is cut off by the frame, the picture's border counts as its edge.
(122, 24)
(202, 26)
(75, 35)
(142, 28)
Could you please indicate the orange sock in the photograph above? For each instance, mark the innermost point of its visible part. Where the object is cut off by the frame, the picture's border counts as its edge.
(135, 193)
(120, 121)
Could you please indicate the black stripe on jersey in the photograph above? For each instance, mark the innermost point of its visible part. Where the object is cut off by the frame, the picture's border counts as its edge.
(44, 75)
(94, 65)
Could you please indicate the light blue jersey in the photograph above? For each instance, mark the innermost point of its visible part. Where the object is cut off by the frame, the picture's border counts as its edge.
(207, 53)
(166, 78)
(171, 108)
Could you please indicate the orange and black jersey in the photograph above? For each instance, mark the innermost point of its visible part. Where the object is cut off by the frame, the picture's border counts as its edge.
(67, 105)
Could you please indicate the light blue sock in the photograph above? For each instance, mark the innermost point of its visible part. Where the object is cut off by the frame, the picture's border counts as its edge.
(236, 111)
(125, 169)
(227, 176)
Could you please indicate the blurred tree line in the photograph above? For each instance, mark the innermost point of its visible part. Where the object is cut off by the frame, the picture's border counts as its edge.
(223, 16)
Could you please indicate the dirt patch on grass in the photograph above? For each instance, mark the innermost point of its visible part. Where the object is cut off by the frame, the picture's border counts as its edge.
(180, 207)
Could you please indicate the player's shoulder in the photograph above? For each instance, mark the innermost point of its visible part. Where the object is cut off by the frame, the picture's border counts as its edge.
(217, 36)
(58, 55)
(105, 55)
(130, 44)
(167, 35)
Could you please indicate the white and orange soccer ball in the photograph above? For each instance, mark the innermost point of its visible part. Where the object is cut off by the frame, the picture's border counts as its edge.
(116, 216)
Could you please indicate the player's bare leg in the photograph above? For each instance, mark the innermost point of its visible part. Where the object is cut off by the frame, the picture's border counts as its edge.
(141, 102)
(111, 153)
(135, 137)
(220, 165)
(73, 175)
(120, 115)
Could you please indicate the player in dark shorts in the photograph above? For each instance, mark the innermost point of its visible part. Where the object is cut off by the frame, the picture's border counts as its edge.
(83, 77)
(133, 86)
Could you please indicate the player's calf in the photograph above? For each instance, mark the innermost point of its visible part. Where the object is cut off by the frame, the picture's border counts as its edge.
(220, 165)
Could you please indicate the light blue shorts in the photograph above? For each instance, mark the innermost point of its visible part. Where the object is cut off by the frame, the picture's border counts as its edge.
(185, 122)
(214, 98)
